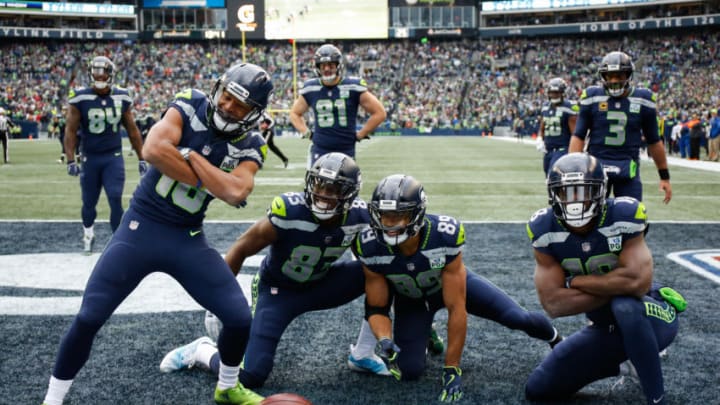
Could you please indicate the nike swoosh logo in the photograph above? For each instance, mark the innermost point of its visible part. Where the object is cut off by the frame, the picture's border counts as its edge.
(657, 401)
(194, 233)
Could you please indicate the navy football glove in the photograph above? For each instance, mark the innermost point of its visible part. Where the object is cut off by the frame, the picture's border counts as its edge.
(389, 354)
(142, 167)
(452, 384)
(72, 168)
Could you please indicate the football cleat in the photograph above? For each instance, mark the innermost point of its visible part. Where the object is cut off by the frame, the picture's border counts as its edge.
(88, 242)
(372, 364)
(238, 395)
(627, 374)
(183, 357)
(435, 344)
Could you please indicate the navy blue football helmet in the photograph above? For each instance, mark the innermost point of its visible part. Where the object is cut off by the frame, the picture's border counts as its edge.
(400, 195)
(329, 53)
(556, 85)
(576, 188)
(331, 185)
(616, 62)
(249, 84)
(101, 66)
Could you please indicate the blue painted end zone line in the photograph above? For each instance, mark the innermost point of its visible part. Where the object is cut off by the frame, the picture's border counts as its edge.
(702, 262)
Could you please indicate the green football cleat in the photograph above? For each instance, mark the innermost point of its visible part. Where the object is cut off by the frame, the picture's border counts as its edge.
(435, 343)
(237, 395)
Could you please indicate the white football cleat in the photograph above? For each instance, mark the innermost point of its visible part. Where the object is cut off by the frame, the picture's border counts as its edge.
(372, 364)
(184, 356)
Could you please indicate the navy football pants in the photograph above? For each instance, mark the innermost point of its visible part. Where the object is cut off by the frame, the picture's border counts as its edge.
(644, 328)
(106, 171)
(413, 320)
(274, 309)
(139, 247)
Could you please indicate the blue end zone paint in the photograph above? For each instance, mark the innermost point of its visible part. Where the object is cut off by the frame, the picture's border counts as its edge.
(703, 262)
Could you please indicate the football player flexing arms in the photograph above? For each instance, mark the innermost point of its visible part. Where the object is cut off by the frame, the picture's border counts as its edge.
(557, 123)
(616, 117)
(307, 233)
(413, 262)
(201, 149)
(591, 257)
(98, 111)
(335, 100)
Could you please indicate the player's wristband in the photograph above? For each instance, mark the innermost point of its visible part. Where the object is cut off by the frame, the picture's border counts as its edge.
(664, 174)
(199, 184)
(185, 152)
(568, 281)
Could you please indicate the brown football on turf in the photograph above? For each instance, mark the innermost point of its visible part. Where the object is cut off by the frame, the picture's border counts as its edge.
(285, 398)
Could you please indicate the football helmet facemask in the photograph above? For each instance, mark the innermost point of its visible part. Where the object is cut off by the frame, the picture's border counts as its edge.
(576, 188)
(402, 199)
(249, 84)
(331, 185)
(556, 88)
(329, 54)
(101, 72)
(616, 62)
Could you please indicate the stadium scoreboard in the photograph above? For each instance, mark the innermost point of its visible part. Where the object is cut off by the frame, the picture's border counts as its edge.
(30, 7)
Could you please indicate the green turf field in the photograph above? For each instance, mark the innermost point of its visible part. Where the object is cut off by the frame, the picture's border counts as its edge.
(472, 178)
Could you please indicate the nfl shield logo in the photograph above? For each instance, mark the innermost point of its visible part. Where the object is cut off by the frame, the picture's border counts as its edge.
(411, 266)
(133, 225)
(206, 150)
(328, 239)
(586, 247)
(615, 243)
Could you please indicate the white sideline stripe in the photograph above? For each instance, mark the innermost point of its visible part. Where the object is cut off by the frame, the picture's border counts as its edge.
(672, 161)
(158, 292)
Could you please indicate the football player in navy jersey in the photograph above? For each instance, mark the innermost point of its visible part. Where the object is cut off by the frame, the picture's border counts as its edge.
(201, 149)
(98, 111)
(413, 262)
(335, 100)
(591, 258)
(307, 233)
(557, 123)
(616, 116)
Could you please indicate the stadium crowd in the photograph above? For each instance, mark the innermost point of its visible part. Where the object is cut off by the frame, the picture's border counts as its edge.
(469, 83)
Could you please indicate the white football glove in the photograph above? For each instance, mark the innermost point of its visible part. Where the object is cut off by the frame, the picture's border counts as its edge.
(540, 145)
(212, 325)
